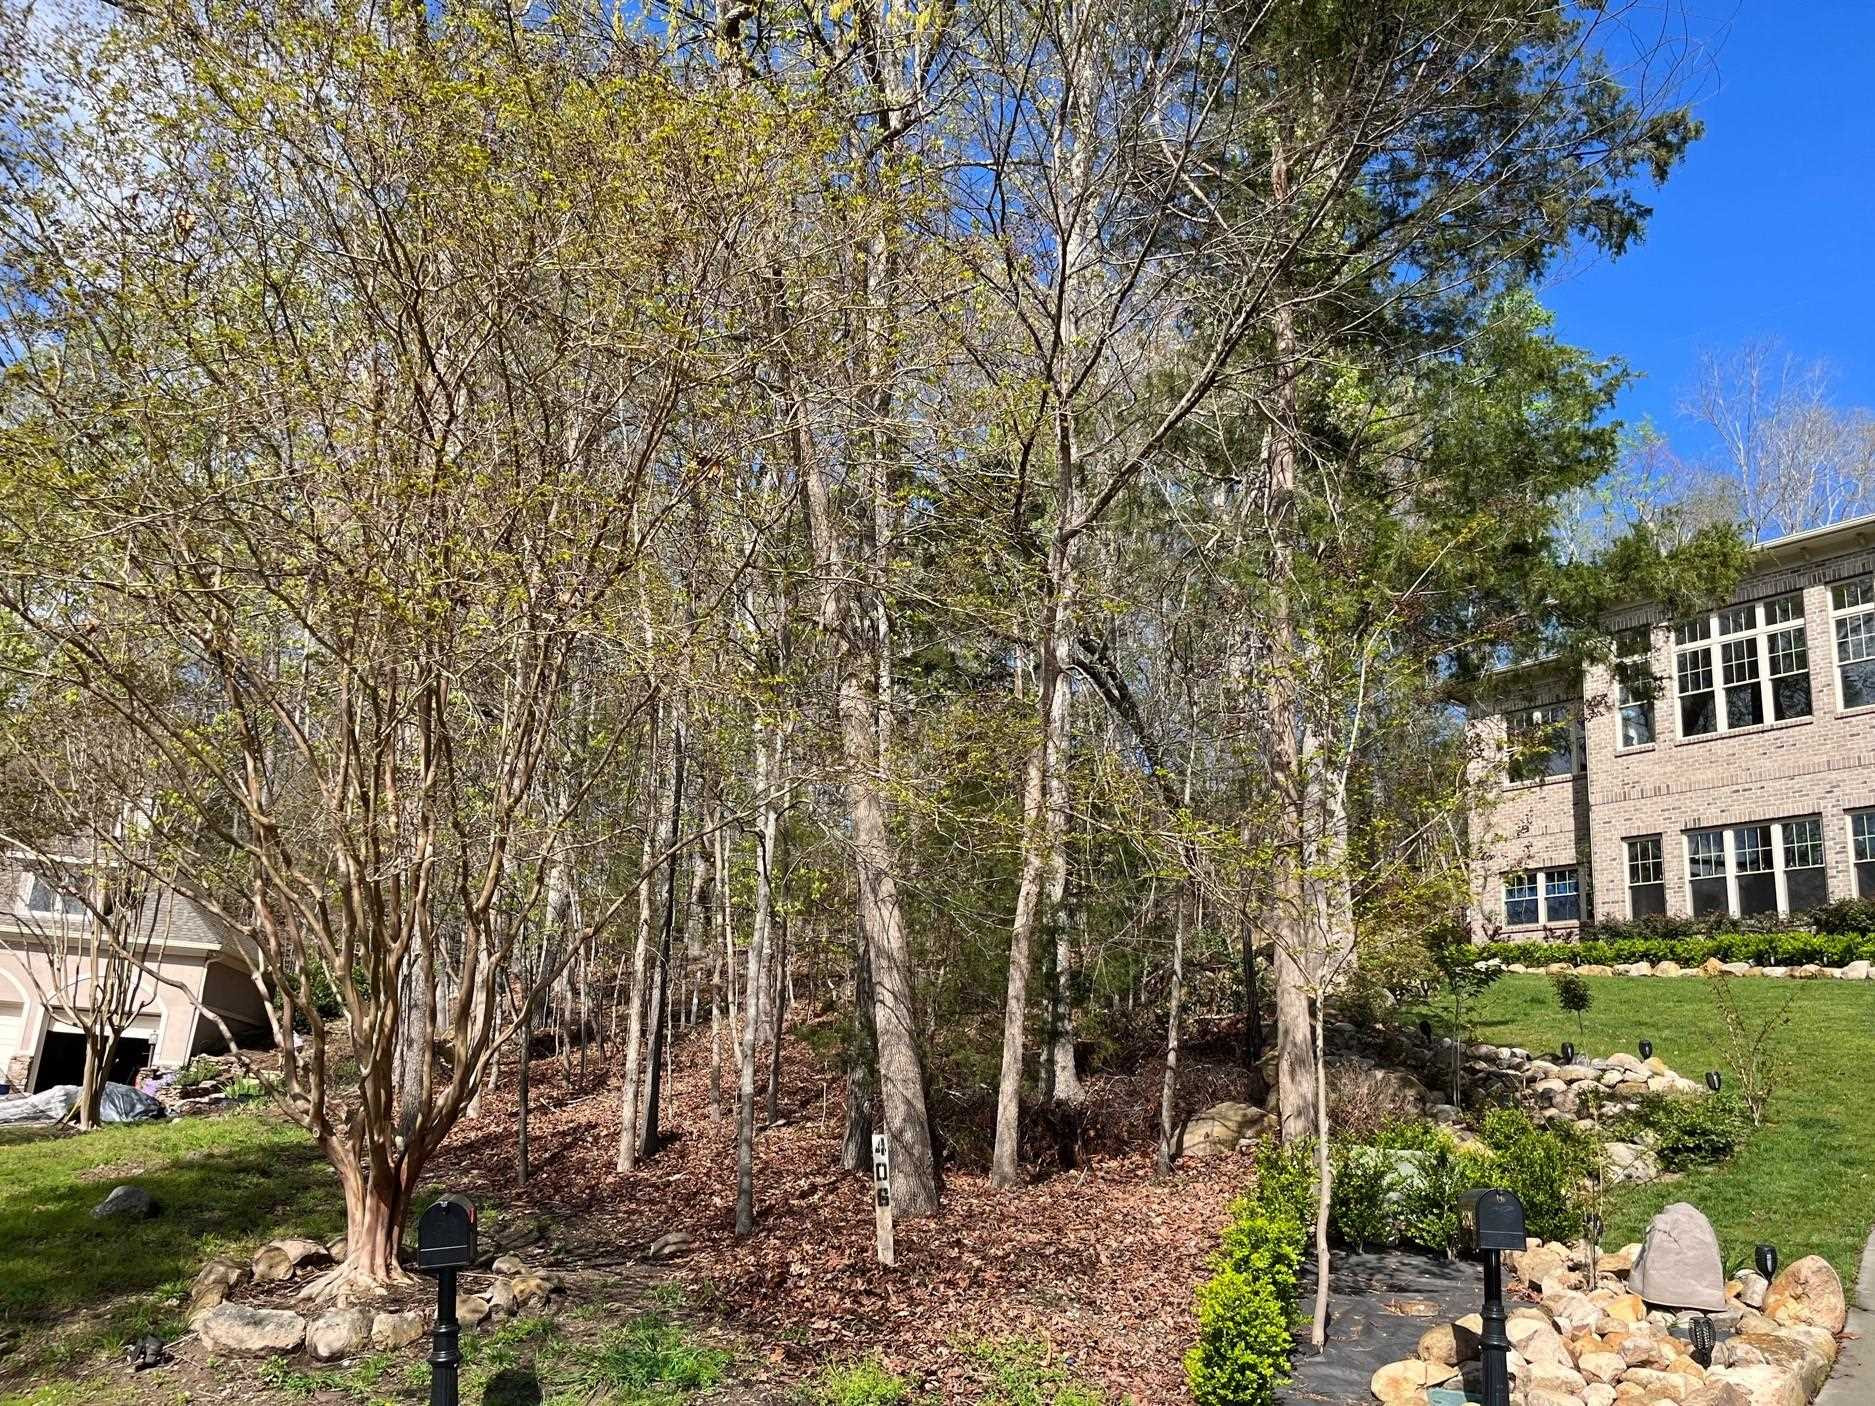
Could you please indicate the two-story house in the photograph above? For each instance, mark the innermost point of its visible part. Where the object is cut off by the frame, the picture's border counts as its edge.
(1723, 763)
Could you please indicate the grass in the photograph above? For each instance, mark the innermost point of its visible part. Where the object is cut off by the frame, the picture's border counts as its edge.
(1806, 1181)
(220, 1185)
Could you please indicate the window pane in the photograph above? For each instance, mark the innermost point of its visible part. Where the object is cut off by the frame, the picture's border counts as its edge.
(1855, 652)
(1784, 608)
(1561, 902)
(1637, 724)
(1744, 706)
(1865, 879)
(1631, 644)
(1644, 863)
(1806, 888)
(1757, 893)
(1858, 684)
(1751, 849)
(1519, 899)
(1803, 844)
(44, 898)
(1699, 714)
(1852, 593)
(1708, 896)
(1790, 697)
(1705, 854)
(1689, 631)
(1738, 620)
(1647, 900)
(1694, 669)
(1862, 833)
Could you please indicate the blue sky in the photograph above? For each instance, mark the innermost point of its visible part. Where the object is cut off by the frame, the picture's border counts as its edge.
(1767, 228)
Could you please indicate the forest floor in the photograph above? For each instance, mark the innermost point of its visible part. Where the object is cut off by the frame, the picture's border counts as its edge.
(1076, 1287)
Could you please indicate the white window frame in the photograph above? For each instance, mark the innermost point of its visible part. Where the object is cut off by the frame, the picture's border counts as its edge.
(1638, 868)
(1636, 664)
(1851, 602)
(1857, 843)
(1729, 852)
(1756, 625)
(1534, 719)
(64, 905)
(1541, 879)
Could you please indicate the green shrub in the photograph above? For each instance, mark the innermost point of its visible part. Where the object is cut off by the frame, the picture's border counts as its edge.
(1360, 1205)
(1611, 945)
(1244, 1343)
(1686, 1132)
(1286, 1185)
(1265, 1246)
(1544, 1167)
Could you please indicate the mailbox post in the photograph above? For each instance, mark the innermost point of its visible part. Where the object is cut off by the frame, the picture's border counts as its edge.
(1491, 1222)
(445, 1244)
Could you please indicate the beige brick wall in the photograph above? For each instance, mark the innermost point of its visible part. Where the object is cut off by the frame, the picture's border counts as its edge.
(1822, 765)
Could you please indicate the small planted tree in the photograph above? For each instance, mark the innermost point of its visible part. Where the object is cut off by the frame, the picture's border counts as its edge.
(1574, 996)
(1465, 978)
(1753, 1047)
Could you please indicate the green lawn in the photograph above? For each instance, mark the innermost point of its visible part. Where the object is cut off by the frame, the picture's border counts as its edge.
(1806, 1181)
(219, 1184)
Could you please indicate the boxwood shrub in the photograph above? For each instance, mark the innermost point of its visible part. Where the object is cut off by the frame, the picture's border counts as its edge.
(1773, 949)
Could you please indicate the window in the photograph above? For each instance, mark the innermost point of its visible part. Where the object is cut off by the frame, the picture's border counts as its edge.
(1862, 852)
(1852, 606)
(1763, 868)
(1542, 743)
(1647, 877)
(1546, 896)
(44, 899)
(1761, 671)
(1634, 685)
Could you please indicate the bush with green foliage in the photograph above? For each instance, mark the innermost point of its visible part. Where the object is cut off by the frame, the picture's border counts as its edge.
(1684, 1132)
(1244, 1341)
(1777, 949)
(1574, 996)
(1545, 1167)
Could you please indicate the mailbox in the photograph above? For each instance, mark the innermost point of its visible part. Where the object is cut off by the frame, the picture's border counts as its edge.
(1489, 1219)
(446, 1234)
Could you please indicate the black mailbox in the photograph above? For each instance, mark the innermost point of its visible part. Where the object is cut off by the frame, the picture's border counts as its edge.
(446, 1234)
(1489, 1219)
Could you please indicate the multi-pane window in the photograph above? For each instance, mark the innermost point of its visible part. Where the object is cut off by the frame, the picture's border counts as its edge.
(1542, 896)
(1742, 666)
(1852, 611)
(1634, 683)
(1542, 743)
(45, 899)
(1647, 877)
(1862, 851)
(1765, 868)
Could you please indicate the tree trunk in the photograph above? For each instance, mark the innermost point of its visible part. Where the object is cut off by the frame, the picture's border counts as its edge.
(376, 1210)
(641, 950)
(1325, 1172)
(861, 1053)
(767, 767)
(1168, 1093)
(781, 1015)
(660, 999)
(523, 1091)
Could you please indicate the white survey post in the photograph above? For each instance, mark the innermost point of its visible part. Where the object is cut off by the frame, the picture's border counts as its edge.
(882, 1194)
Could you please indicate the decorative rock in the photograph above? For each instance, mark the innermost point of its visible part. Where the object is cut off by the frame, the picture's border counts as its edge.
(1400, 1383)
(1447, 1344)
(1601, 1366)
(1555, 1376)
(1679, 1263)
(1629, 1308)
(390, 1331)
(337, 1334)
(508, 1266)
(132, 1201)
(1808, 1364)
(281, 1259)
(1537, 1265)
(1219, 1129)
(1807, 1292)
(471, 1309)
(214, 1281)
(1719, 1394)
(1630, 1162)
(532, 1289)
(233, 1327)
(1538, 1341)
(1598, 1394)
(1761, 1385)
(674, 1243)
(501, 1297)
(1673, 1385)
(1550, 1396)
(1751, 1287)
(1855, 971)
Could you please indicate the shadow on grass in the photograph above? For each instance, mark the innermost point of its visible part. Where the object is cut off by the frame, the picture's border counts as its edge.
(512, 1386)
(213, 1192)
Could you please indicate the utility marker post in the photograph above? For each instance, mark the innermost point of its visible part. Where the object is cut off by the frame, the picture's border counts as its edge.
(882, 1194)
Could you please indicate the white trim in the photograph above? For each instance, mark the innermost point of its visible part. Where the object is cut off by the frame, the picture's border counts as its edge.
(1728, 848)
(1712, 642)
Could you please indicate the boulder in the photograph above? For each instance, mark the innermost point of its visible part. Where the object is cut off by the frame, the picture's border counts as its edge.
(1679, 1263)
(233, 1327)
(131, 1201)
(1672, 1385)
(338, 1333)
(1220, 1129)
(1598, 1394)
(1620, 1261)
(1556, 1376)
(281, 1259)
(1629, 1308)
(1807, 1292)
(1536, 1266)
(1751, 1288)
(1718, 1394)
(471, 1309)
(1764, 1384)
(508, 1266)
(1538, 1341)
(1400, 1383)
(501, 1297)
(1629, 1162)
(673, 1244)
(1448, 1344)
(532, 1290)
(390, 1331)
(1806, 1362)
(1601, 1366)
(1855, 971)
(1550, 1396)
(213, 1283)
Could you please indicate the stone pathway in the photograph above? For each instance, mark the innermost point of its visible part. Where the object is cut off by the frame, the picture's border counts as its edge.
(1378, 1305)
(1852, 1383)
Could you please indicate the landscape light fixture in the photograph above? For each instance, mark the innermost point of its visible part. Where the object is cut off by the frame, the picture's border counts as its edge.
(1568, 1053)
(1714, 1079)
(1425, 1029)
(445, 1244)
(1766, 1260)
(1490, 1222)
(1647, 1049)
(1700, 1330)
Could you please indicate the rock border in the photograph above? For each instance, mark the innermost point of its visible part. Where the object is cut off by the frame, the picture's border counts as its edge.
(1712, 966)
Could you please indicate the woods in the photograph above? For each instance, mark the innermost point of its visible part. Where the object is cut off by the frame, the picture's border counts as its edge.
(970, 524)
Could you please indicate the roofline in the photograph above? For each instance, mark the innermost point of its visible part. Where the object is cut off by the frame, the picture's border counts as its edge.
(1806, 542)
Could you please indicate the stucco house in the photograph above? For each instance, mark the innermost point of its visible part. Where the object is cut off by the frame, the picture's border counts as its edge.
(1724, 763)
(193, 961)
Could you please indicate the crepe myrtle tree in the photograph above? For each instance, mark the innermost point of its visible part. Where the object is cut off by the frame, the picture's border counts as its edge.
(339, 367)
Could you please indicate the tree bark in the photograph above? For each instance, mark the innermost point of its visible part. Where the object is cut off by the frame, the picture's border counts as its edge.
(768, 765)
(660, 999)
(641, 949)
(861, 1053)
(1168, 1093)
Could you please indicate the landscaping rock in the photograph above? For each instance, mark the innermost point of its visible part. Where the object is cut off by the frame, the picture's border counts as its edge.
(282, 1259)
(339, 1333)
(1751, 1288)
(214, 1281)
(1601, 1366)
(1219, 1129)
(669, 1246)
(1808, 1363)
(1807, 1292)
(531, 1290)
(390, 1331)
(132, 1201)
(471, 1309)
(501, 1297)
(1679, 1263)
(1448, 1344)
(1598, 1394)
(233, 1327)
(1631, 1163)
(508, 1266)
(1718, 1394)
(1761, 1385)
(1401, 1383)
(1538, 1341)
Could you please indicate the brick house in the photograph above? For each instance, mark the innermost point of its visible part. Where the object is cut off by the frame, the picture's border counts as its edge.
(1723, 763)
(45, 974)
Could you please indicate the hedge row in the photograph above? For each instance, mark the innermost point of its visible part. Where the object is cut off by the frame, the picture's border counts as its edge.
(1771, 949)
(1847, 917)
